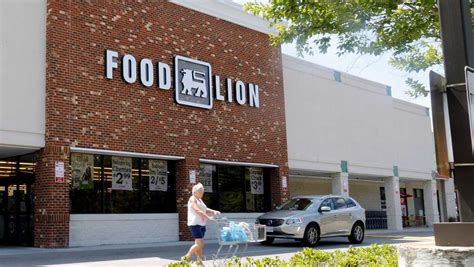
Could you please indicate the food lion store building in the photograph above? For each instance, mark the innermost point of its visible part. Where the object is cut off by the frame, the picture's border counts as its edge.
(111, 112)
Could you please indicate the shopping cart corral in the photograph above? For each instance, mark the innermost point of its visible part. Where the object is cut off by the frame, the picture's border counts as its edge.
(236, 236)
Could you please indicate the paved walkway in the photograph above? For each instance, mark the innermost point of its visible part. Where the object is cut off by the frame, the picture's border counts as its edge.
(160, 254)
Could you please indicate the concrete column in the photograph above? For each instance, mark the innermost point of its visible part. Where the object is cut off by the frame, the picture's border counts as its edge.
(431, 202)
(394, 209)
(340, 184)
(450, 197)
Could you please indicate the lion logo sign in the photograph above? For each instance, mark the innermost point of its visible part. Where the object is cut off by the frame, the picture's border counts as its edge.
(194, 80)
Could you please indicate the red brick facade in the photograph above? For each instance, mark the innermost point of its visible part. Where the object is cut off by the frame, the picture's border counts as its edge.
(86, 110)
(52, 199)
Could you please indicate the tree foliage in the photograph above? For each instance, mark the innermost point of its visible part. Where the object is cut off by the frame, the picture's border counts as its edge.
(407, 29)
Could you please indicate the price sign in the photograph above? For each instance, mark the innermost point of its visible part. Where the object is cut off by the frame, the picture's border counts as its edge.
(121, 173)
(206, 177)
(256, 181)
(158, 175)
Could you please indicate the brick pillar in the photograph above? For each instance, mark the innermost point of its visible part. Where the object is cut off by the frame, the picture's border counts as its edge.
(278, 193)
(51, 199)
(183, 192)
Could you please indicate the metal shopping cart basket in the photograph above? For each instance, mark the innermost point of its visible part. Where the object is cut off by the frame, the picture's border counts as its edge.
(236, 235)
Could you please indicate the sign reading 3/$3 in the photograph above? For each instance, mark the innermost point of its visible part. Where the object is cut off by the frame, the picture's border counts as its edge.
(194, 84)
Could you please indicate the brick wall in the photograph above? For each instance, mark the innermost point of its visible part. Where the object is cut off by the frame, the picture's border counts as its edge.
(86, 110)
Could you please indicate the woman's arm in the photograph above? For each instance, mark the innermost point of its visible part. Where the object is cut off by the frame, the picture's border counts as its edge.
(208, 210)
(196, 208)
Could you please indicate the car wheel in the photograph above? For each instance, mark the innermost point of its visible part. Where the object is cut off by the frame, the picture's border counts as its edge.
(357, 233)
(311, 235)
(268, 241)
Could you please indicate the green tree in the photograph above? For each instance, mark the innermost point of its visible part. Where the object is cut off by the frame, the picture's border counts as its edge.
(407, 29)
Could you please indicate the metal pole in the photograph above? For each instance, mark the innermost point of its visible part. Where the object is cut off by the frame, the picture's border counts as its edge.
(456, 35)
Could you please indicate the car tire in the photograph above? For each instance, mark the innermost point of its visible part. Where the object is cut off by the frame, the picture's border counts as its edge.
(268, 241)
(311, 235)
(357, 233)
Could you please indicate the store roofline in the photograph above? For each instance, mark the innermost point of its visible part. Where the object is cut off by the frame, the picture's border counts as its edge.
(317, 70)
(229, 11)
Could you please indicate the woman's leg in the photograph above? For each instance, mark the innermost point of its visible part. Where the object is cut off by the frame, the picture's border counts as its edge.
(200, 248)
(192, 250)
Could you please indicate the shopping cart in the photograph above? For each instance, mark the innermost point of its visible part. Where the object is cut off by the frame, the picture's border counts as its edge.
(236, 235)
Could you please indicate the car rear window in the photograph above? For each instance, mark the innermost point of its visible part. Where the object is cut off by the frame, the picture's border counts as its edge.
(350, 203)
(340, 204)
(296, 204)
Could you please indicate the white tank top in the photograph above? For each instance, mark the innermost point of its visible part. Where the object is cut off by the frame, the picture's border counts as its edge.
(193, 217)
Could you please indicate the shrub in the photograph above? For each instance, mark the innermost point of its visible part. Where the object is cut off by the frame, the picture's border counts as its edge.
(372, 256)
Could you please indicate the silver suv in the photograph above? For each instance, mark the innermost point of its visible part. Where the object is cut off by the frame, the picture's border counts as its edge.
(310, 218)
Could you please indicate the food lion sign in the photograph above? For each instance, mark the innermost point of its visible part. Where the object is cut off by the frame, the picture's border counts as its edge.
(193, 80)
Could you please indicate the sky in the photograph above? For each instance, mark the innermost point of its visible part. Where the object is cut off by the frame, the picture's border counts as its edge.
(374, 68)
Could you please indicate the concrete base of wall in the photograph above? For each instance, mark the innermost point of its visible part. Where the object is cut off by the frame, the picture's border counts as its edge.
(429, 256)
(108, 229)
(454, 234)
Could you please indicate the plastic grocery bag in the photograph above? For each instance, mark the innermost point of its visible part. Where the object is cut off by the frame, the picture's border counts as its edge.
(233, 233)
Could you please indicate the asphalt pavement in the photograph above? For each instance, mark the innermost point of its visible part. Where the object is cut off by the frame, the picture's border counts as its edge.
(160, 254)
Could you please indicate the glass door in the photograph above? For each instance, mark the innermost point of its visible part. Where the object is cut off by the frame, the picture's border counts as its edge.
(419, 206)
(3, 201)
(16, 214)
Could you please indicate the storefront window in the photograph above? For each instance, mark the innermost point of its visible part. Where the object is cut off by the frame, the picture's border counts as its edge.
(157, 186)
(208, 176)
(231, 188)
(255, 189)
(121, 185)
(235, 188)
(86, 184)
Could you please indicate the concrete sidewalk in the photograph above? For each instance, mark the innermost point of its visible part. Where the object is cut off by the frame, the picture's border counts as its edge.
(405, 231)
(162, 253)
(11, 251)
(8, 251)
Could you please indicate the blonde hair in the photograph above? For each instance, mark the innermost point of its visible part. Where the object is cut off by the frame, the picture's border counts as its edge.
(198, 187)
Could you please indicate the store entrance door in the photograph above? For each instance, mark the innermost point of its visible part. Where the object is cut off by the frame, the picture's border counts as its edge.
(16, 210)
(418, 198)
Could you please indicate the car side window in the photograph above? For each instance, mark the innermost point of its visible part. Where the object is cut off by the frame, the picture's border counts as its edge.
(340, 203)
(350, 203)
(328, 203)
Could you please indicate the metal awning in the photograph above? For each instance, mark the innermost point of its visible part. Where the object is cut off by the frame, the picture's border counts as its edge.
(238, 163)
(123, 153)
